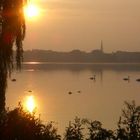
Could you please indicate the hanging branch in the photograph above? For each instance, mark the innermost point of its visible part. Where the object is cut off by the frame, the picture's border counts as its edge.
(12, 31)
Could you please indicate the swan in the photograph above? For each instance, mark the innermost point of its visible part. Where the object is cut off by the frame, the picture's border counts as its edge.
(126, 79)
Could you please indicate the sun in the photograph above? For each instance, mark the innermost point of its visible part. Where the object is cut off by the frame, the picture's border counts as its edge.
(30, 103)
(31, 11)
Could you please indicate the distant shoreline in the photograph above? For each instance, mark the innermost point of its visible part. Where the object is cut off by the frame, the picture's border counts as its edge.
(79, 57)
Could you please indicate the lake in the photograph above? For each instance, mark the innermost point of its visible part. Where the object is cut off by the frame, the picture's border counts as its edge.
(100, 99)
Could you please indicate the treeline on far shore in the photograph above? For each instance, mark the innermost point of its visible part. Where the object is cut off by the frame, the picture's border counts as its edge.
(18, 124)
(77, 56)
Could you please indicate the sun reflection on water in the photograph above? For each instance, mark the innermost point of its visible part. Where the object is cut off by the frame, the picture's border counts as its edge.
(30, 103)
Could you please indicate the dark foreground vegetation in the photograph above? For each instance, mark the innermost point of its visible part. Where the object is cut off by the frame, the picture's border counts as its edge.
(18, 124)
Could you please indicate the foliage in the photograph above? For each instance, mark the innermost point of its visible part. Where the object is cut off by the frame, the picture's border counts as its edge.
(96, 132)
(12, 24)
(12, 31)
(74, 130)
(21, 125)
(128, 127)
(129, 123)
(18, 124)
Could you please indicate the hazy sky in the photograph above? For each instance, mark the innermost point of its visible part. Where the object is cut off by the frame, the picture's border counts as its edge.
(80, 24)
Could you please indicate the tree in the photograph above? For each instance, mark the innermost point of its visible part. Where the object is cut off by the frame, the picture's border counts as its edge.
(12, 31)
(74, 130)
(96, 132)
(21, 125)
(129, 123)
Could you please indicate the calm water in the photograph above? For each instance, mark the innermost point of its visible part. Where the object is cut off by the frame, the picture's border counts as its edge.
(101, 99)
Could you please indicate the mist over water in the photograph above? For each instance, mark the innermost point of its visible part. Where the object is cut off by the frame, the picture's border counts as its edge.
(97, 99)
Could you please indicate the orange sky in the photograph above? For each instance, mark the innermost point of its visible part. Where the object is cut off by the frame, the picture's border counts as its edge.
(65, 25)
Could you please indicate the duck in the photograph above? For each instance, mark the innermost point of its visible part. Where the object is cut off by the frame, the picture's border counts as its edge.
(93, 78)
(13, 80)
(138, 80)
(29, 90)
(79, 91)
(69, 92)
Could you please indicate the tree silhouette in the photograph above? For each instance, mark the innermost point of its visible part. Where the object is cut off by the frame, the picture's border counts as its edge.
(96, 132)
(129, 123)
(74, 130)
(12, 33)
(21, 125)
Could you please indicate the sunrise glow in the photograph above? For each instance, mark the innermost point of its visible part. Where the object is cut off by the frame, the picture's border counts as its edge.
(31, 11)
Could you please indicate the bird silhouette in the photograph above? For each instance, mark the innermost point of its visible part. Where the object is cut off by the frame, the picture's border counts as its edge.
(69, 92)
(29, 90)
(79, 91)
(138, 80)
(93, 78)
(13, 80)
(126, 79)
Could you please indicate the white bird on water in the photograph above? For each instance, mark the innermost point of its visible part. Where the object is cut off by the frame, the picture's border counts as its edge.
(126, 79)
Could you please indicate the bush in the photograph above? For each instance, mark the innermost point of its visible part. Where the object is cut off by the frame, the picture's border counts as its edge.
(74, 130)
(21, 125)
(129, 123)
(18, 124)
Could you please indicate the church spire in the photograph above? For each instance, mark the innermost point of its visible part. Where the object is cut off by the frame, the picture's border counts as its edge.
(102, 46)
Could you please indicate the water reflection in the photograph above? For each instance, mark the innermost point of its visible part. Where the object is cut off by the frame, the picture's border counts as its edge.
(81, 66)
(98, 100)
(30, 103)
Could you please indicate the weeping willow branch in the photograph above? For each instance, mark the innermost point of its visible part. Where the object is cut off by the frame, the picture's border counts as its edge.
(12, 33)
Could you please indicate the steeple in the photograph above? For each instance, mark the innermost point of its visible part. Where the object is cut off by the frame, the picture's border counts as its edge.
(102, 46)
